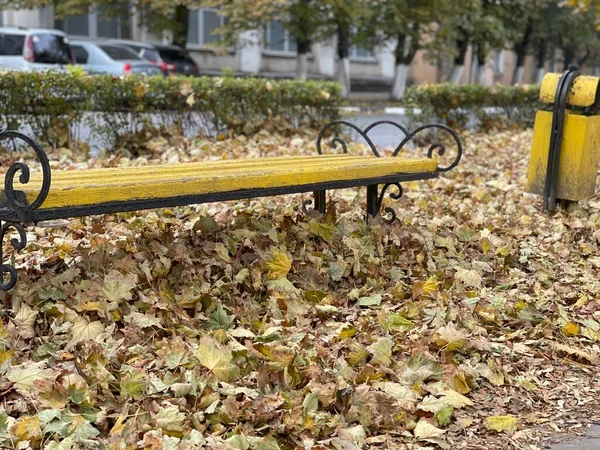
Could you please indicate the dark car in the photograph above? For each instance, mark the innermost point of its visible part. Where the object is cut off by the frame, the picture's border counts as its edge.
(170, 58)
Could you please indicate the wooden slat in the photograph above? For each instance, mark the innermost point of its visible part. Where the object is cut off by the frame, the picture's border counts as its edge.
(186, 170)
(99, 186)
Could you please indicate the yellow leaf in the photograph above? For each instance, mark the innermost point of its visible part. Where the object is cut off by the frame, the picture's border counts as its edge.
(139, 90)
(460, 383)
(593, 359)
(186, 89)
(455, 399)
(191, 99)
(451, 338)
(470, 278)
(430, 285)
(582, 301)
(279, 265)
(82, 331)
(502, 423)
(424, 431)
(486, 246)
(5, 355)
(28, 429)
(323, 230)
(381, 351)
(117, 429)
(571, 329)
(216, 358)
(25, 377)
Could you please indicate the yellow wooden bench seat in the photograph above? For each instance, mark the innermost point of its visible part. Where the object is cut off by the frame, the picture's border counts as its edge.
(128, 184)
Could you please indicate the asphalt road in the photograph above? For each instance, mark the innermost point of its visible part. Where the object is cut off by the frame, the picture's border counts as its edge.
(384, 135)
(590, 441)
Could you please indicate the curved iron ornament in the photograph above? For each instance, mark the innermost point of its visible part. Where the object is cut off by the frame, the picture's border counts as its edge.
(16, 199)
(305, 205)
(17, 244)
(17, 205)
(437, 147)
(395, 196)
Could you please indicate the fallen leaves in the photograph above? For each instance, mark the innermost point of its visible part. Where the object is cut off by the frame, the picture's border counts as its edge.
(248, 325)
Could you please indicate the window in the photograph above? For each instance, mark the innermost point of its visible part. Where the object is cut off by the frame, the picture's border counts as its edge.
(108, 28)
(81, 54)
(278, 39)
(150, 54)
(118, 53)
(94, 25)
(202, 25)
(11, 44)
(77, 25)
(51, 49)
(361, 53)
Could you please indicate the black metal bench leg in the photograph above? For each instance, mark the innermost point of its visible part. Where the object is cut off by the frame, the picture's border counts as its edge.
(321, 201)
(375, 200)
(372, 201)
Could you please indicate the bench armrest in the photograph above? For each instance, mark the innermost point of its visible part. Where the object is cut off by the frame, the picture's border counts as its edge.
(15, 201)
(438, 147)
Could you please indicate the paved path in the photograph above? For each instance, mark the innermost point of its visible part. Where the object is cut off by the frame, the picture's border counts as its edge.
(591, 441)
(384, 135)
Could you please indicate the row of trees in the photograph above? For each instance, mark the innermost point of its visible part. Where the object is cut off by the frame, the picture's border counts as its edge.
(441, 28)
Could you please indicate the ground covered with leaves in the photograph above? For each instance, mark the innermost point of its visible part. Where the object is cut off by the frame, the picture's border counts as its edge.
(471, 322)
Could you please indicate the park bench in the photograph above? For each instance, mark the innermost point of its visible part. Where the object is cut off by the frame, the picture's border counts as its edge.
(49, 195)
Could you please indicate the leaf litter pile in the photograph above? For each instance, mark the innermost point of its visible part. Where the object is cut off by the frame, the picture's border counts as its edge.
(471, 322)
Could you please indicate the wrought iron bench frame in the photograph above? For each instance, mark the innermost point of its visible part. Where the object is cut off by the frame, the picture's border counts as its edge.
(16, 212)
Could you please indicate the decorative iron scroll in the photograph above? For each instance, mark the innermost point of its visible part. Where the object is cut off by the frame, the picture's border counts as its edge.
(393, 195)
(16, 206)
(437, 146)
(16, 199)
(17, 244)
(305, 205)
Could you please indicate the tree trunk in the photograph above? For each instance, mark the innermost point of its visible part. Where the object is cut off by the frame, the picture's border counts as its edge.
(302, 59)
(459, 61)
(519, 68)
(480, 75)
(405, 52)
(180, 32)
(540, 62)
(569, 57)
(343, 50)
(521, 52)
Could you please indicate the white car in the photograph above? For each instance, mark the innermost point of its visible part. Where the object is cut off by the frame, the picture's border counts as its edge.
(34, 49)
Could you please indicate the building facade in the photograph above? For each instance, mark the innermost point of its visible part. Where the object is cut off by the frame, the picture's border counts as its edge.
(269, 52)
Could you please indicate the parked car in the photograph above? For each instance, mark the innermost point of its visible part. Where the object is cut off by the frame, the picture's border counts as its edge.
(34, 49)
(102, 57)
(171, 59)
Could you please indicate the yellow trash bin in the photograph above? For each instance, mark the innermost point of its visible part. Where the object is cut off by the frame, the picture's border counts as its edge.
(579, 149)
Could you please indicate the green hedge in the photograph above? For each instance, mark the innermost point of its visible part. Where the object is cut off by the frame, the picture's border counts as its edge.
(57, 106)
(456, 105)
